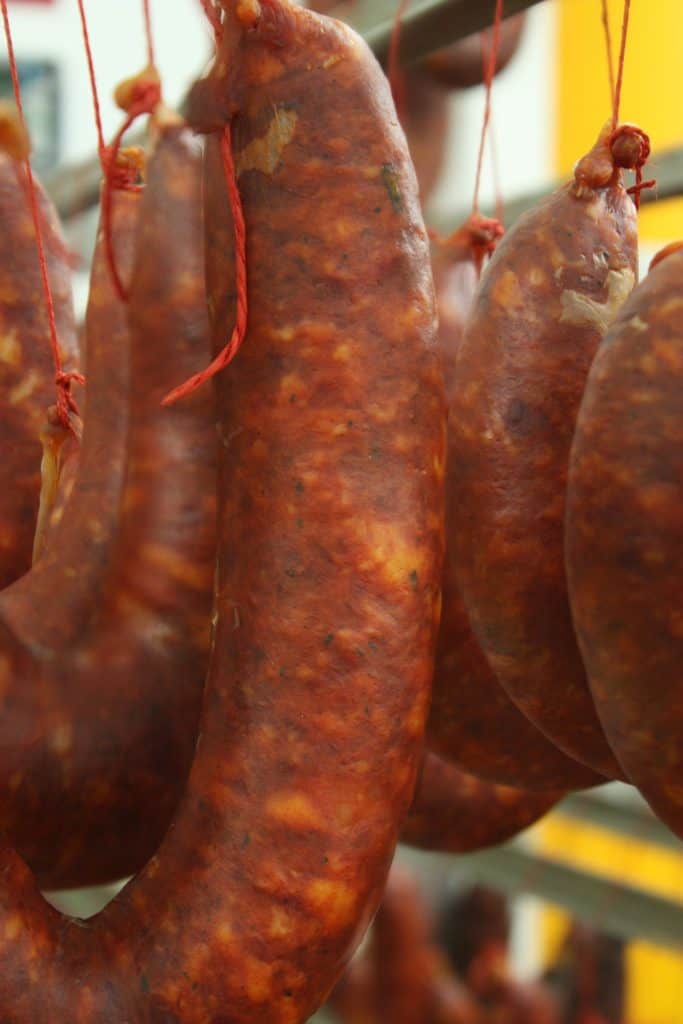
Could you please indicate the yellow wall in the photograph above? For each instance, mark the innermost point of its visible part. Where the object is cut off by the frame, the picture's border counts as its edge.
(652, 92)
(653, 98)
(655, 975)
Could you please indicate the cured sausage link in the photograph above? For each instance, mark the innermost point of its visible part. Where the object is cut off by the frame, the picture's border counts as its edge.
(456, 812)
(545, 301)
(26, 371)
(625, 536)
(331, 537)
(44, 614)
(120, 680)
(472, 721)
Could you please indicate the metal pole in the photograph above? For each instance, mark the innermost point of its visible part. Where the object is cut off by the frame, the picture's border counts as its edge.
(432, 24)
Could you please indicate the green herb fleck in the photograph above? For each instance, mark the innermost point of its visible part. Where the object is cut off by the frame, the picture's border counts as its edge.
(390, 179)
(413, 579)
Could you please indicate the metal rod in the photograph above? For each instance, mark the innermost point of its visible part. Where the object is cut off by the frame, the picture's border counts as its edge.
(432, 24)
(629, 818)
(611, 906)
(666, 167)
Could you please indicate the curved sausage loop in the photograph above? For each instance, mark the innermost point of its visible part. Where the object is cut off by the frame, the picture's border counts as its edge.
(545, 301)
(472, 721)
(455, 812)
(97, 741)
(625, 535)
(27, 376)
(331, 534)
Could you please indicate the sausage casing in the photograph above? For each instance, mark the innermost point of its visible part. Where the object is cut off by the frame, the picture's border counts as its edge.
(26, 369)
(472, 721)
(544, 303)
(625, 536)
(332, 423)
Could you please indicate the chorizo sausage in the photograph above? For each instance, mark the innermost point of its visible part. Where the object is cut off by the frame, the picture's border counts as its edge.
(456, 812)
(45, 614)
(423, 109)
(332, 420)
(625, 534)
(545, 301)
(472, 721)
(26, 369)
(124, 694)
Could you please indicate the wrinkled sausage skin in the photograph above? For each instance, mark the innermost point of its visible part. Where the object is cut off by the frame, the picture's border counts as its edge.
(111, 690)
(26, 369)
(332, 419)
(456, 812)
(472, 721)
(625, 536)
(545, 301)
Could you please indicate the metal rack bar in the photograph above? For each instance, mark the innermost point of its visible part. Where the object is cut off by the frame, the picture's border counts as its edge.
(628, 816)
(666, 167)
(612, 906)
(431, 24)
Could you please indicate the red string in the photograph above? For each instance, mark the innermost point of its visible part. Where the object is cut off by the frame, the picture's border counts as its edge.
(488, 80)
(230, 351)
(63, 381)
(213, 17)
(622, 56)
(630, 148)
(493, 149)
(148, 32)
(93, 80)
(608, 47)
(394, 73)
(146, 96)
(495, 172)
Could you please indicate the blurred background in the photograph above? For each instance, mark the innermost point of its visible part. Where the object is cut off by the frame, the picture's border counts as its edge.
(595, 891)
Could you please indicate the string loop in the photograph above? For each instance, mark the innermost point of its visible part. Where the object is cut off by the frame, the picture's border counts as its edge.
(137, 96)
(630, 148)
(232, 347)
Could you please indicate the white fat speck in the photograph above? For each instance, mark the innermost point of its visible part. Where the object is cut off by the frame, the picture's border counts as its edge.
(582, 310)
